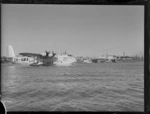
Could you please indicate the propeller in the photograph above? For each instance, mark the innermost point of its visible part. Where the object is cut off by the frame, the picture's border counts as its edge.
(53, 54)
(47, 53)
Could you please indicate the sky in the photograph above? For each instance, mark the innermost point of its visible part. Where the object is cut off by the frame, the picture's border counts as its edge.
(81, 30)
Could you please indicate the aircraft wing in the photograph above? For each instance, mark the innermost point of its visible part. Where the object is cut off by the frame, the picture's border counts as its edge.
(30, 54)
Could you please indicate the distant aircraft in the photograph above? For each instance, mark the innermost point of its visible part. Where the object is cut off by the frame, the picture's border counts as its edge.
(32, 59)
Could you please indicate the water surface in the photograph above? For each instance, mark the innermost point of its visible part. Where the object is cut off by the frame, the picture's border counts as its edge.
(81, 87)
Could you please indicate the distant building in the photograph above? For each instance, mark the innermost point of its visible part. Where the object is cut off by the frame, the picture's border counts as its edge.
(125, 58)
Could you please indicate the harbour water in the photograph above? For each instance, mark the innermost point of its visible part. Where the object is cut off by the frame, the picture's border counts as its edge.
(80, 87)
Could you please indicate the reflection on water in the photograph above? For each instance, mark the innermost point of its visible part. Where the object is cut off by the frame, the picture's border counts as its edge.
(81, 87)
(13, 77)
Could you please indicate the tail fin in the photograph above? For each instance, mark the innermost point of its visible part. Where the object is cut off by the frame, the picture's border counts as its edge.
(10, 51)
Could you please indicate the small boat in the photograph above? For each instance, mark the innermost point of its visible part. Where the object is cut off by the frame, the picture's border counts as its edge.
(87, 61)
(37, 64)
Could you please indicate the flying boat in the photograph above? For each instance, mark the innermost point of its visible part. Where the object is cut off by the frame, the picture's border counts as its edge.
(32, 59)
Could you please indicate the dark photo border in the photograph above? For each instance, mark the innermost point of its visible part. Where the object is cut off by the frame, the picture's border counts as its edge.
(145, 3)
